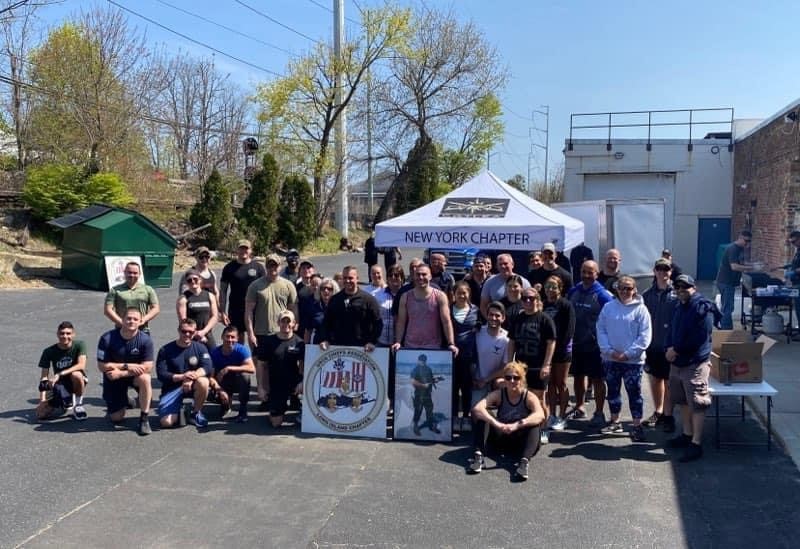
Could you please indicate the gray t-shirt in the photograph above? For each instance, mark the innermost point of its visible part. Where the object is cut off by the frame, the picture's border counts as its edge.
(495, 287)
(492, 351)
(733, 254)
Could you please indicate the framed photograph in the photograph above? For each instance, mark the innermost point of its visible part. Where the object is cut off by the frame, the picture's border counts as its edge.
(423, 389)
(345, 391)
(115, 268)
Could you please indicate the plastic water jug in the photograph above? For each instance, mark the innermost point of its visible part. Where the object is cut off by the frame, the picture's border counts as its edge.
(772, 322)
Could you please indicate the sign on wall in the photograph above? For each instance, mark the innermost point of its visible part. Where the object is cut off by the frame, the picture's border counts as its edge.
(344, 391)
(115, 268)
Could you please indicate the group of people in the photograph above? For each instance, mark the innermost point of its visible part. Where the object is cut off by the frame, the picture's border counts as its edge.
(514, 338)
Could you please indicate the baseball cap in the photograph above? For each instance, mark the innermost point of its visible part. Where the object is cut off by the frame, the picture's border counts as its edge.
(661, 262)
(244, 243)
(549, 247)
(273, 258)
(306, 263)
(286, 313)
(292, 253)
(685, 279)
(201, 250)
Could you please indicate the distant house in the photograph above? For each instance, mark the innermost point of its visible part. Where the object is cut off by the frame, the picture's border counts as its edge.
(361, 212)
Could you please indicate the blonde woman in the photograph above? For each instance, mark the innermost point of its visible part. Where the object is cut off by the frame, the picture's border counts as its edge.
(515, 429)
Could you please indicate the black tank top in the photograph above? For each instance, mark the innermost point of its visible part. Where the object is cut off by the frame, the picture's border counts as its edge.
(509, 412)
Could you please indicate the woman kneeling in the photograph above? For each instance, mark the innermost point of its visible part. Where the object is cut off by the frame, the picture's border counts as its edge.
(516, 427)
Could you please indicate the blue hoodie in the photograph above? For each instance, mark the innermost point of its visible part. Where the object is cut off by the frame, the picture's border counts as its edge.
(624, 328)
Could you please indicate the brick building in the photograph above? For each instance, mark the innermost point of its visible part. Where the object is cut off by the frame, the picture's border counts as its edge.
(766, 185)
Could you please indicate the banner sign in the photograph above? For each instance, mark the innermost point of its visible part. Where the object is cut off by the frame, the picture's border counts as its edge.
(115, 268)
(344, 391)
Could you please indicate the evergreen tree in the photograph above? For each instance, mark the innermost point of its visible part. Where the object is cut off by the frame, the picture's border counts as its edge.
(214, 207)
(260, 208)
(296, 217)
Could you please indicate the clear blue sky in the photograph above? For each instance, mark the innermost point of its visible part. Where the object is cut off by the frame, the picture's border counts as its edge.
(575, 56)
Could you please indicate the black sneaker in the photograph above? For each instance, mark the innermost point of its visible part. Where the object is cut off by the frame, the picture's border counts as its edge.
(653, 420)
(680, 441)
(693, 452)
(668, 424)
(416, 430)
(637, 434)
(144, 426)
(522, 469)
(613, 428)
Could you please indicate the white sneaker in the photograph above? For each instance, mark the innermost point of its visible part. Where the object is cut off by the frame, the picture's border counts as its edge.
(551, 421)
(522, 469)
(79, 412)
(544, 437)
(559, 424)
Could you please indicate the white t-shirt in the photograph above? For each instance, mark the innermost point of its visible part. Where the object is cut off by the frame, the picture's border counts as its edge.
(495, 287)
(492, 351)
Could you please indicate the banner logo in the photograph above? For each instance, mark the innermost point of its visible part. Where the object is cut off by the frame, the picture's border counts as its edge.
(474, 207)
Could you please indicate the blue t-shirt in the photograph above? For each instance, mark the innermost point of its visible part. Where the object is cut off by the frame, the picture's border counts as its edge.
(174, 359)
(112, 347)
(238, 355)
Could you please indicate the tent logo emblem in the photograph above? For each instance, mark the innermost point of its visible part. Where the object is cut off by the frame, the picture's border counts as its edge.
(474, 207)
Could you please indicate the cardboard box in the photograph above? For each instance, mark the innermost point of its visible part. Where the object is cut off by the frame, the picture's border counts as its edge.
(736, 358)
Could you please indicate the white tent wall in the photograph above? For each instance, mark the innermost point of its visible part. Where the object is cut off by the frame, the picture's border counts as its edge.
(484, 213)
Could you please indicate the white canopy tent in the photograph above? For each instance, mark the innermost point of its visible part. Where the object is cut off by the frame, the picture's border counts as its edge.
(484, 213)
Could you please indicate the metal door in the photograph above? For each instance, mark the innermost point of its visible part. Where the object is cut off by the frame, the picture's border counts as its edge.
(711, 233)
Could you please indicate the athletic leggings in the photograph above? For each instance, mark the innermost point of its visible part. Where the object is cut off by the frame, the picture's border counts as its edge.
(631, 375)
(462, 389)
(522, 443)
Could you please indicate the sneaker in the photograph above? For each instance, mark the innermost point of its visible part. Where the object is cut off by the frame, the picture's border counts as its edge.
(416, 430)
(550, 422)
(544, 436)
(589, 394)
(560, 424)
(653, 420)
(243, 418)
(522, 469)
(680, 441)
(144, 426)
(224, 403)
(435, 429)
(613, 428)
(79, 412)
(578, 413)
(598, 418)
(637, 434)
(198, 419)
(476, 463)
(693, 452)
(668, 424)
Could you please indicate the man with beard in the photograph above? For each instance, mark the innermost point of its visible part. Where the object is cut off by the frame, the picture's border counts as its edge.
(238, 275)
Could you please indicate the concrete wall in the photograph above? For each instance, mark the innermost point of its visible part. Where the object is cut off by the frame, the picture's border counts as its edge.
(702, 178)
(766, 186)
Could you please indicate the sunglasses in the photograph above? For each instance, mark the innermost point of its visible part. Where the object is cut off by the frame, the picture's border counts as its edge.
(205, 256)
(663, 269)
(193, 280)
(512, 378)
(626, 288)
(529, 299)
(326, 289)
(551, 286)
(187, 332)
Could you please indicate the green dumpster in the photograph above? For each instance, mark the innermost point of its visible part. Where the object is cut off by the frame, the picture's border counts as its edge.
(100, 231)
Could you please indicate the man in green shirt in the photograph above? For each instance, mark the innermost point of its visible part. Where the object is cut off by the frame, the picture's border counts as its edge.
(132, 294)
(65, 388)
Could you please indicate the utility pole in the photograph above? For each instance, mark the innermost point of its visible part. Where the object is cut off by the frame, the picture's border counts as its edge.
(546, 147)
(370, 183)
(342, 213)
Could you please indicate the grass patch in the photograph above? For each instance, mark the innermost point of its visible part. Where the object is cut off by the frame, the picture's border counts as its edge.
(328, 243)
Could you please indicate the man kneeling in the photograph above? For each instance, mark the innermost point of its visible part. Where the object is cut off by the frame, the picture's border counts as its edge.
(183, 367)
(516, 427)
(67, 358)
(233, 366)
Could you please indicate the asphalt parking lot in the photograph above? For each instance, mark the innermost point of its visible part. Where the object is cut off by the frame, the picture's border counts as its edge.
(90, 485)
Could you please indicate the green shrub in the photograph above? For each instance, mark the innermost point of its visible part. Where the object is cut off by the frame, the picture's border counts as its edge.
(53, 190)
(296, 215)
(260, 208)
(215, 208)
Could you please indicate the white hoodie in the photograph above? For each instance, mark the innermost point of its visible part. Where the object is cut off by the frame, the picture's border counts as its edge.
(624, 328)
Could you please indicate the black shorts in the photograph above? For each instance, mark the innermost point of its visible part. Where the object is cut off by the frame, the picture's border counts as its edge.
(535, 381)
(115, 393)
(261, 352)
(655, 364)
(587, 364)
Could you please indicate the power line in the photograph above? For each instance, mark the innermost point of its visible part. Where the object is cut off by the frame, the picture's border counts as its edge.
(326, 8)
(229, 29)
(199, 43)
(516, 114)
(267, 17)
